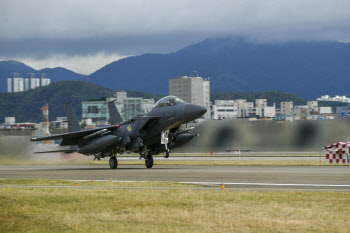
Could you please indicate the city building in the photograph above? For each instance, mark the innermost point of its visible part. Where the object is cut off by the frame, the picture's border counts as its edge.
(343, 111)
(336, 98)
(97, 110)
(10, 120)
(59, 123)
(26, 84)
(265, 111)
(286, 108)
(325, 110)
(300, 112)
(16, 84)
(312, 108)
(224, 109)
(260, 103)
(194, 90)
(33, 81)
(245, 109)
(43, 80)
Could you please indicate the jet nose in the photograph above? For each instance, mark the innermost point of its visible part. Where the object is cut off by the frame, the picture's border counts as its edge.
(193, 112)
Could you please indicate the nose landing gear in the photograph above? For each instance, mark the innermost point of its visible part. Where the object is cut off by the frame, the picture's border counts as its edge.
(166, 153)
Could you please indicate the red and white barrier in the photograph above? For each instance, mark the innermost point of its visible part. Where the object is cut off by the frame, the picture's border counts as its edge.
(338, 153)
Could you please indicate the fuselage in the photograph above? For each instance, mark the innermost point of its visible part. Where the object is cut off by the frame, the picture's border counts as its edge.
(168, 113)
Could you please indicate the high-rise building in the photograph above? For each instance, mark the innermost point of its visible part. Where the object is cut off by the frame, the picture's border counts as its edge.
(43, 80)
(15, 83)
(194, 90)
(9, 84)
(18, 84)
(33, 81)
(26, 84)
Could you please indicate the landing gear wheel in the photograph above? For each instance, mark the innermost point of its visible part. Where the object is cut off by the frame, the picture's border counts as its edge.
(149, 161)
(113, 162)
(166, 154)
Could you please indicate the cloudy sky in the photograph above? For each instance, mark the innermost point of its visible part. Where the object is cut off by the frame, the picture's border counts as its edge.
(84, 35)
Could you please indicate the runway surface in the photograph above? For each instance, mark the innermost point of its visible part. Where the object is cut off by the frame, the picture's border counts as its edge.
(257, 178)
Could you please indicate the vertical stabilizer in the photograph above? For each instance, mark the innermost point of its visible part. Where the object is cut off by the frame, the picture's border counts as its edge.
(73, 123)
(114, 116)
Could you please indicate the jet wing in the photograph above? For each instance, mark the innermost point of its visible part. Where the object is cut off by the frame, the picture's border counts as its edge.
(72, 138)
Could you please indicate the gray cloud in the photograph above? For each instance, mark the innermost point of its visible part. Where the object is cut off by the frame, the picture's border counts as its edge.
(81, 19)
(42, 32)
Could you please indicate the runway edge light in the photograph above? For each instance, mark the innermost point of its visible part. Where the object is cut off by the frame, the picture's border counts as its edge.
(222, 186)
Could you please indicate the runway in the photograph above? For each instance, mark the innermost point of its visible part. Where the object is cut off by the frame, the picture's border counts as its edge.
(257, 178)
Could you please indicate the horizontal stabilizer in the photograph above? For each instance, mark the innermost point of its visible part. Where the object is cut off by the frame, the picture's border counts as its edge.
(68, 151)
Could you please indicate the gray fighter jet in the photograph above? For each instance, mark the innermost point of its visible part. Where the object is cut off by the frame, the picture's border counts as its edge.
(151, 134)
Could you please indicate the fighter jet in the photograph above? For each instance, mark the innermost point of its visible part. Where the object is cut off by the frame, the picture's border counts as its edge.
(156, 132)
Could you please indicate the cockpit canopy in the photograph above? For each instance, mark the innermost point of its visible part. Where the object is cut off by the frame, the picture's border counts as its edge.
(168, 101)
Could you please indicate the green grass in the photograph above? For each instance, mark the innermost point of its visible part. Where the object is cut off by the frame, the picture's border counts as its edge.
(115, 210)
(42, 182)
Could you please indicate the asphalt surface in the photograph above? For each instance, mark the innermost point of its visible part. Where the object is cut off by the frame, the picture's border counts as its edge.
(256, 178)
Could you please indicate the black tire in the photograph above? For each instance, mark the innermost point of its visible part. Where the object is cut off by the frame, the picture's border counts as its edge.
(166, 154)
(149, 161)
(113, 162)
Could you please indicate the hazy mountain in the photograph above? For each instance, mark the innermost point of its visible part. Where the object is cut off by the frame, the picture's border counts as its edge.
(55, 74)
(61, 74)
(305, 69)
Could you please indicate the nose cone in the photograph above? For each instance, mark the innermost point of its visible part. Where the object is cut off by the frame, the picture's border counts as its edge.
(193, 112)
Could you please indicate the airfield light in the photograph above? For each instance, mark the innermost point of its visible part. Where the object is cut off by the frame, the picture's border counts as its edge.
(222, 186)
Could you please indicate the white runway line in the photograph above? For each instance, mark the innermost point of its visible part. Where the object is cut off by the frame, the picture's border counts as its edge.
(271, 184)
(218, 183)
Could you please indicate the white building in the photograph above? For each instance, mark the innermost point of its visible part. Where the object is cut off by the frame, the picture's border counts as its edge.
(10, 120)
(43, 80)
(97, 110)
(244, 108)
(312, 107)
(194, 90)
(325, 110)
(260, 103)
(224, 109)
(34, 83)
(26, 84)
(286, 108)
(18, 84)
(266, 112)
(15, 83)
(9, 85)
(336, 98)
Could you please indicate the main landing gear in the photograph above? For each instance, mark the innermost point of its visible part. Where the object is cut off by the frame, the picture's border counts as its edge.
(149, 161)
(113, 162)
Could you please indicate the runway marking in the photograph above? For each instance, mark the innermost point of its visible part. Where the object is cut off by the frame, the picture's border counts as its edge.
(226, 183)
(270, 184)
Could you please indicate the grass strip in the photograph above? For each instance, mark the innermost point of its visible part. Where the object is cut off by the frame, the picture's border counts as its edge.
(111, 210)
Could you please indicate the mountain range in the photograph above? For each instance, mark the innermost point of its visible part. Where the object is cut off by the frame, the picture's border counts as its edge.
(307, 69)
(25, 106)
